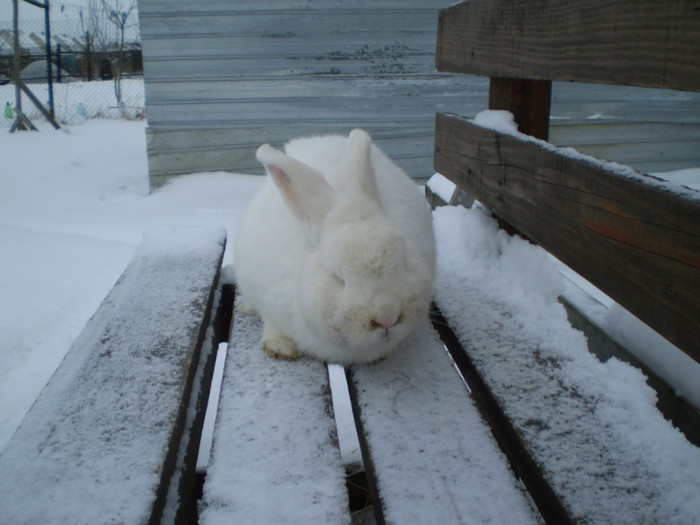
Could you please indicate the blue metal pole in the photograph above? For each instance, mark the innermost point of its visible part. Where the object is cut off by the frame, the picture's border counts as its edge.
(48, 57)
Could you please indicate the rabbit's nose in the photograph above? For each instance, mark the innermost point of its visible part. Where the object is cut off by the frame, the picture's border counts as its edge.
(386, 322)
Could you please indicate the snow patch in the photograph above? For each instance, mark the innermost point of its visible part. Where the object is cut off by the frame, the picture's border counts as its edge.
(497, 120)
(441, 186)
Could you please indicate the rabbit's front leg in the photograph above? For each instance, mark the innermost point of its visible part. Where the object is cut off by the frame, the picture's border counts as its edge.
(276, 344)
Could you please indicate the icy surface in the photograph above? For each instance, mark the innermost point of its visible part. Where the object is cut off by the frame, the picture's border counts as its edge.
(435, 457)
(274, 457)
(593, 427)
(91, 448)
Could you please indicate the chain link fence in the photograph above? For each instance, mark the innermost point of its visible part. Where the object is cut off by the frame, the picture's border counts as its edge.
(91, 76)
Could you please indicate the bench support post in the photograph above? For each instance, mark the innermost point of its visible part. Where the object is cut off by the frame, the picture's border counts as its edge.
(528, 101)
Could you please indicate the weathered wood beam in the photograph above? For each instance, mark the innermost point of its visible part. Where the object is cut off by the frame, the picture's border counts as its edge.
(635, 240)
(629, 42)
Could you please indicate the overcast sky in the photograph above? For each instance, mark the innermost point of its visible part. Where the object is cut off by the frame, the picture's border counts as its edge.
(60, 10)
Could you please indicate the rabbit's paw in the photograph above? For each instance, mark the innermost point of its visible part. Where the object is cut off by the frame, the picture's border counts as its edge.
(245, 308)
(280, 347)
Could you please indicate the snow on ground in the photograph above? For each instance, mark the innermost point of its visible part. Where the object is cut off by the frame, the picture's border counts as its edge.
(75, 102)
(73, 206)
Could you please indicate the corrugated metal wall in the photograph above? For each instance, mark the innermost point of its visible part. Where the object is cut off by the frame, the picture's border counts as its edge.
(652, 130)
(224, 76)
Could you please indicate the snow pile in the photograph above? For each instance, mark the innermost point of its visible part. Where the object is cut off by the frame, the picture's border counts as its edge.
(497, 120)
(442, 187)
(593, 425)
(658, 354)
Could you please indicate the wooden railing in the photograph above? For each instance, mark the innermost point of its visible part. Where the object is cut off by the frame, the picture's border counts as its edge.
(628, 233)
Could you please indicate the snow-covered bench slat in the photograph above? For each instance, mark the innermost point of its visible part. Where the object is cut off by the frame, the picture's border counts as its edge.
(606, 459)
(590, 429)
(433, 457)
(101, 442)
(274, 457)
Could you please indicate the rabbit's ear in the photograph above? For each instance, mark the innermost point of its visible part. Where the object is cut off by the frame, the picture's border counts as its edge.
(357, 164)
(306, 192)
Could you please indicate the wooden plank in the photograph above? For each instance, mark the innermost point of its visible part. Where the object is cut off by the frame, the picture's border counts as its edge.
(429, 454)
(274, 457)
(525, 466)
(607, 460)
(644, 43)
(628, 234)
(107, 433)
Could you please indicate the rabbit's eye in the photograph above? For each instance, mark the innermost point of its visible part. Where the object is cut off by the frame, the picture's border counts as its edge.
(374, 325)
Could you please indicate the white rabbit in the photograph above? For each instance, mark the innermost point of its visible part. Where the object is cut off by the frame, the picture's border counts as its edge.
(336, 252)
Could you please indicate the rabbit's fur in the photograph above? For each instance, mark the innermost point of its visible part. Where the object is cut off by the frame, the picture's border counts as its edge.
(336, 252)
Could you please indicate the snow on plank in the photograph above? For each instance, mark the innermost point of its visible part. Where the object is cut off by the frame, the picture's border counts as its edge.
(433, 456)
(102, 437)
(592, 427)
(274, 457)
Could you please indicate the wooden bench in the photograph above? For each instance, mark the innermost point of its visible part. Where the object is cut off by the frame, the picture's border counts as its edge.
(629, 234)
(275, 459)
(474, 417)
(114, 435)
